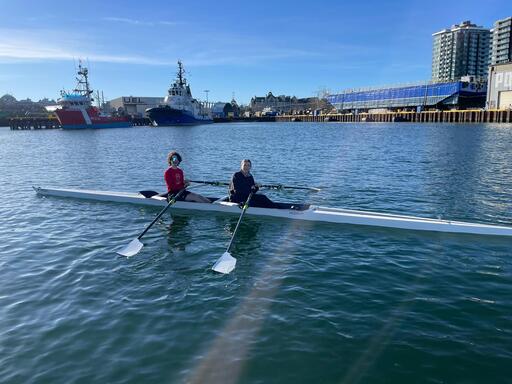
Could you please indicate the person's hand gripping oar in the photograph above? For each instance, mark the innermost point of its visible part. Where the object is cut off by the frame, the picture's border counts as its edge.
(226, 263)
(136, 245)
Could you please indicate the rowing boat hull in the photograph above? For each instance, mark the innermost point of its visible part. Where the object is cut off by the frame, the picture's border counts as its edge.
(314, 213)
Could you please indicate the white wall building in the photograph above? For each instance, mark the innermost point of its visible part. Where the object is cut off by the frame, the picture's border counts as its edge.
(499, 87)
(134, 105)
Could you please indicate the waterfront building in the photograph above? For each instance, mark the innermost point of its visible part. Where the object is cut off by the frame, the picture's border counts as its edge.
(286, 104)
(502, 42)
(279, 103)
(499, 94)
(415, 97)
(462, 50)
(134, 106)
(225, 110)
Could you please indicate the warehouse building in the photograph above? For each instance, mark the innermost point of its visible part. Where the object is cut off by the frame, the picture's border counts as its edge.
(450, 95)
(133, 105)
(499, 94)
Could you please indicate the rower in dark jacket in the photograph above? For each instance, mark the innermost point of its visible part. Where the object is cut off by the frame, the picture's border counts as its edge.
(241, 186)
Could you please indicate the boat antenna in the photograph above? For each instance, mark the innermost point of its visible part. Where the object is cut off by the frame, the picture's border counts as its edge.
(181, 74)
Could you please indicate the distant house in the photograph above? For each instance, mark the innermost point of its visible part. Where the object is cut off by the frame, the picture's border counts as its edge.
(285, 104)
(225, 110)
(279, 103)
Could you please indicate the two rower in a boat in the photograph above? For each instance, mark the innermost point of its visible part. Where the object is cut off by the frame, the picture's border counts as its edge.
(175, 180)
(241, 186)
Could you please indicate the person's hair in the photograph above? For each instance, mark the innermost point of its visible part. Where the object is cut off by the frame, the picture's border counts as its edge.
(245, 161)
(171, 154)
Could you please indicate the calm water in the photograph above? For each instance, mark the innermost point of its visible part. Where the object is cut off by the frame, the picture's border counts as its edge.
(307, 303)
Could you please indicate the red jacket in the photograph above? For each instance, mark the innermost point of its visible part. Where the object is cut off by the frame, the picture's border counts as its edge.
(174, 179)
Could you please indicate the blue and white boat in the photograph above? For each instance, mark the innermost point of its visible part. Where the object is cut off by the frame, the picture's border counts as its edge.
(179, 107)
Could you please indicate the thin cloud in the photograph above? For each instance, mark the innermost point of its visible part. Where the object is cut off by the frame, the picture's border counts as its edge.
(139, 22)
(26, 50)
(51, 45)
(29, 47)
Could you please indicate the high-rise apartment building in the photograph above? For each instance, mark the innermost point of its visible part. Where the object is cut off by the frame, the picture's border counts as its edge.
(462, 50)
(502, 41)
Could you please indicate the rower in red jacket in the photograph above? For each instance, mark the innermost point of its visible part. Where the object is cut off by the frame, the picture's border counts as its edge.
(175, 180)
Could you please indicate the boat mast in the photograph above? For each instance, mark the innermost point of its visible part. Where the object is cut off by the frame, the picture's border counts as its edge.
(82, 86)
(181, 74)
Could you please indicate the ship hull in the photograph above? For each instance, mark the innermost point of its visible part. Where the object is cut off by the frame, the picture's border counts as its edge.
(82, 119)
(167, 116)
(98, 126)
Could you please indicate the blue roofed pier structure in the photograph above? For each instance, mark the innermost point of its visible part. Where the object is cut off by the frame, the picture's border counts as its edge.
(426, 96)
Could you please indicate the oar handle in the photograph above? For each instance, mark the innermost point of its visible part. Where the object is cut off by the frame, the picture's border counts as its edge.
(270, 186)
(217, 183)
(244, 208)
(280, 186)
(171, 202)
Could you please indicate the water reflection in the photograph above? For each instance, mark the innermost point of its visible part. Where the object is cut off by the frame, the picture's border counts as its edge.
(246, 235)
(179, 234)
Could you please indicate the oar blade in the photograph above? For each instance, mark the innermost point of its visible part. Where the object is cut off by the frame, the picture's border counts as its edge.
(225, 264)
(131, 249)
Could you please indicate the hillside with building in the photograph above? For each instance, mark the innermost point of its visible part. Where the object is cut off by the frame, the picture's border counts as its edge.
(11, 107)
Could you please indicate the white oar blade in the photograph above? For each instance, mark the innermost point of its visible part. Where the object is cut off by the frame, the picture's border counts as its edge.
(225, 264)
(131, 249)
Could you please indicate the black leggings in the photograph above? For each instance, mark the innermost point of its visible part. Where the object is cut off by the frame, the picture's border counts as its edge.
(180, 197)
(261, 201)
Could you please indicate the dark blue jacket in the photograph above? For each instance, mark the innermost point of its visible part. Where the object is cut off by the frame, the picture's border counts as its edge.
(241, 187)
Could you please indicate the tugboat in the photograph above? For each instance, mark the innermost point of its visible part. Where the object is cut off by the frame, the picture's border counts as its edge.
(76, 110)
(179, 107)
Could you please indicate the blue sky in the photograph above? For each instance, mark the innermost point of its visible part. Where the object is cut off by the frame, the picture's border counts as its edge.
(245, 48)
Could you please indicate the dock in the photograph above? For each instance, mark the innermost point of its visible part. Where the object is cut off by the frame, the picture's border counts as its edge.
(455, 116)
(31, 123)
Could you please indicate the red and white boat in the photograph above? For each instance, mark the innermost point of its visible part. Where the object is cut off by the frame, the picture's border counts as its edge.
(76, 110)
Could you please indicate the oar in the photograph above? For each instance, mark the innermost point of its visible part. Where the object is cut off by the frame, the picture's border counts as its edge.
(136, 245)
(217, 183)
(279, 186)
(226, 263)
(270, 186)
